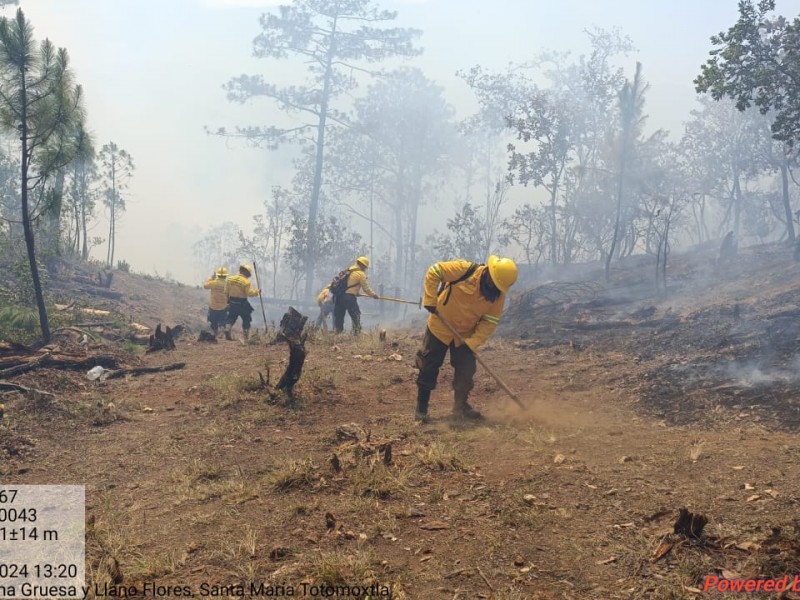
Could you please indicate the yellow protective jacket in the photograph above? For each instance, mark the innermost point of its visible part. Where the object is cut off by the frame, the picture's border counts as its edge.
(470, 314)
(219, 298)
(324, 296)
(358, 280)
(238, 286)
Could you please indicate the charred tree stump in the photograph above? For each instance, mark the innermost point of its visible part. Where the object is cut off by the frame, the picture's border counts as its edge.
(161, 340)
(291, 332)
(104, 278)
(690, 524)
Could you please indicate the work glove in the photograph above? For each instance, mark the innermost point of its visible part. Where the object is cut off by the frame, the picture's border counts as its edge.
(430, 309)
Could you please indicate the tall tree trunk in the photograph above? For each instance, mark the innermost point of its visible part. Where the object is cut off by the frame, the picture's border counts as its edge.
(112, 226)
(787, 203)
(737, 204)
(412, 239)
(398, 225)
(85, 240)
(618, 217)
(553, 224)
(313, 207)
(26, 217)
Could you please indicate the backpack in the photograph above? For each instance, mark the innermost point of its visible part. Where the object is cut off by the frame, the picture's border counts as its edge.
(449, 285)
(338, 284)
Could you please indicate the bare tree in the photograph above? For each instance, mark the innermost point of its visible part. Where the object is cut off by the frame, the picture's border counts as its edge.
(331, 38)
(631, 103)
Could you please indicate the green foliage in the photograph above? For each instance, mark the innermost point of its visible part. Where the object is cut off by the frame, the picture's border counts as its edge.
(757, 63)
(25, 294)
(124, 266)
(466, 238)
(336, 246)
(19, 324)
(17, 317)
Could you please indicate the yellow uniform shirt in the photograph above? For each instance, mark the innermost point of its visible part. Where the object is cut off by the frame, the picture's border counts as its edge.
(358, 280)
(219, 299)
(470, 314)
(238, 286)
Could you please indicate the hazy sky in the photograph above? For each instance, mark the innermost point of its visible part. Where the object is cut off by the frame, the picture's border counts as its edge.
(153, 70)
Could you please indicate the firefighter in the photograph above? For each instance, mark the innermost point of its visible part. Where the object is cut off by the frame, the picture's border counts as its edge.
(347, 301)
(471, 298)
(218, 301)
(325, 303)
(239, 289)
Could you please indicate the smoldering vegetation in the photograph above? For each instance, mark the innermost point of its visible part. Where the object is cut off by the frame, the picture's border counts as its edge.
(723, 344)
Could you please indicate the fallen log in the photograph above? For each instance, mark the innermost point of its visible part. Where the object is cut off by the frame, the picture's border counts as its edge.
(8, 386)
(7, 348)
(102, 292)
(143, 370)
(28, 366)
(64, 361)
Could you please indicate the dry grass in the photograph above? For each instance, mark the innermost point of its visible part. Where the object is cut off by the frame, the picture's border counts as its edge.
(293, 475)
(230, 389)
(440, 456)
(337, 568)
(373, 479)
(149, 567)
(696, 450)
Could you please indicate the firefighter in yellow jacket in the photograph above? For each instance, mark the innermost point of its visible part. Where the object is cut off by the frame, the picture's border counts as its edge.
(218, 302)
(348, 302)
(239, 289)
(471, 297)
(325, 303)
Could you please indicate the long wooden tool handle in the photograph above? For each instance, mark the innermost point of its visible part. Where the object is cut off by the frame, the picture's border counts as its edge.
(500, 382)
(390, 299)
(260, 298)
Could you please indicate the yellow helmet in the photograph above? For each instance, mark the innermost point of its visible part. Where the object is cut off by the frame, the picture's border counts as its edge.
(363, 261)
(503, 272)
(222, 272)
(247, 268)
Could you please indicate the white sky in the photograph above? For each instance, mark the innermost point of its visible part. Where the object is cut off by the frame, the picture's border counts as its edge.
(153, 72)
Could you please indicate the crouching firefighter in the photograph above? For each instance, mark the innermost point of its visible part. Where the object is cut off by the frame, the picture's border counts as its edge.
(218, 301)
(239, 289)
(471, 298)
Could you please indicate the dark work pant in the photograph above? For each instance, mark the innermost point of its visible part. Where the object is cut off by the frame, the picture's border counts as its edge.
(431, 357)
(217, 318)
(346, 303)
(240, 307)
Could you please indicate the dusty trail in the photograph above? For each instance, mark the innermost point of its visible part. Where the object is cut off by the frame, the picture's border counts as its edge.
(191, 478)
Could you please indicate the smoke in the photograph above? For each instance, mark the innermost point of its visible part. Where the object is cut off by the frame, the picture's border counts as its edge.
(751, 374)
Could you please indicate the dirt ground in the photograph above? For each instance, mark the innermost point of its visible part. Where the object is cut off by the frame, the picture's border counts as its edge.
(198, 477)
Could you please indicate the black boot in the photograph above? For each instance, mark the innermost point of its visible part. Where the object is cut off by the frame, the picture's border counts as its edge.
(462, 409)
(423, 397)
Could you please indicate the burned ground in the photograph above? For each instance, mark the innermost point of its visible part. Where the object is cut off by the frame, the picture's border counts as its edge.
(638, 406)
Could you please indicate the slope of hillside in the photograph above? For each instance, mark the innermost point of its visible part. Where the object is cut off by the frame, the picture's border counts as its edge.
(201, 477)
(143, 298)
